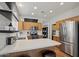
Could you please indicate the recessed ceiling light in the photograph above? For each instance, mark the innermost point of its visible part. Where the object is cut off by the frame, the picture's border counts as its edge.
(50, 11)
(32, 13)
(61, 3)
(35, 7)
(20, 5)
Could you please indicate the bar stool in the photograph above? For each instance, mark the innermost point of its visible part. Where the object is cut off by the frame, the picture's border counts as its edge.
(48, 53)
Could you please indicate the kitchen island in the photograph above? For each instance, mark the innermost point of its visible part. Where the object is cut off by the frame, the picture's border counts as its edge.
(27, 45)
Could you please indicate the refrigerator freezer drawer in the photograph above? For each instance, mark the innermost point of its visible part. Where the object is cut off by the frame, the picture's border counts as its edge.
(69, 49)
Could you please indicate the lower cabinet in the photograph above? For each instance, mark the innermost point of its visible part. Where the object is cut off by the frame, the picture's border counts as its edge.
(56, 38)
(40, 26)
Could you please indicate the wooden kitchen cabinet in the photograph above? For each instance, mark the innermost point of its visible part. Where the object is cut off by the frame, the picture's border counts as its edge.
(75, 18)
(29, 25)
(56, 38)
(57, 25)
(35, 24)
(20, 25)
(40, 26)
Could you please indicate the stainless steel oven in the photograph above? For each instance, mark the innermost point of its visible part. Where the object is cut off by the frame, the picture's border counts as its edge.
(11, 40)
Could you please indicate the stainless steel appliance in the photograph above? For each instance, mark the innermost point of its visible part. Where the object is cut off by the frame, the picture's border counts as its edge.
(10, 40)
(45, 32)
(69, 32)
(33, 33)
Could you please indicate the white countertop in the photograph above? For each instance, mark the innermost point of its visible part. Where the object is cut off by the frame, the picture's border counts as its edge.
(24, 45)
(55, 35)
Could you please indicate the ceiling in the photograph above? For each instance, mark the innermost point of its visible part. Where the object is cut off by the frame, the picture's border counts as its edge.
(27, 8)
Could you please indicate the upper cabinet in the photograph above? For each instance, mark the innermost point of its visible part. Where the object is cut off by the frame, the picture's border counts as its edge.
(57, 25)
(40, 26)
(20, 25)
(75, 18)
(29, 25)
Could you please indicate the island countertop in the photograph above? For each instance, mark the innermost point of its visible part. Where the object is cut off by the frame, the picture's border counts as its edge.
(24, 45)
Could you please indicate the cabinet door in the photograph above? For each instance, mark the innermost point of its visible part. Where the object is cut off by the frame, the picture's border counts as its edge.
(62, 47)
(27, 25)
(40, 26)
(56, 38)
(35, 24)
(20, 25)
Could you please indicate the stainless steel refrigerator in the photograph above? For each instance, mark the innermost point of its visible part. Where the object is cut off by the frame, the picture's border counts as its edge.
(69, 37)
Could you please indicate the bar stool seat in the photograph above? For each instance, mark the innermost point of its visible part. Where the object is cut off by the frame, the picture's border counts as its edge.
(48, 53)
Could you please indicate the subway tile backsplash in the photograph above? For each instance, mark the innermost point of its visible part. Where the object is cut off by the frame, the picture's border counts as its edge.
(3, 37)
